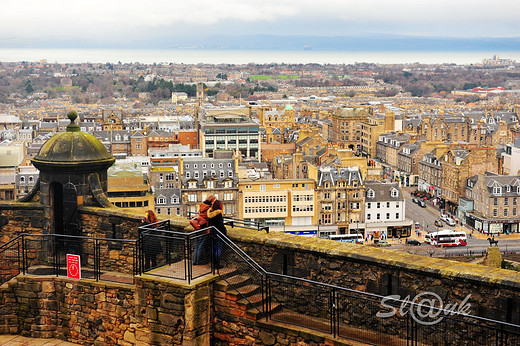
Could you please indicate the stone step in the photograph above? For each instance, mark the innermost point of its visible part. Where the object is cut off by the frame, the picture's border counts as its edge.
(245, 291)
(254, 314)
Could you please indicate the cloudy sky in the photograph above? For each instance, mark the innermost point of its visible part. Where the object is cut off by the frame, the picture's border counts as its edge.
(106, 21)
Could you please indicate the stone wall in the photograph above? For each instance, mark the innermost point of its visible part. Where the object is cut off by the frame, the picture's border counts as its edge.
(494, 292)
(17, 218)
(87, 312)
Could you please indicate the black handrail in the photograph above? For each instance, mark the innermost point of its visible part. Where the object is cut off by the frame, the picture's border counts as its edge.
(230, 221)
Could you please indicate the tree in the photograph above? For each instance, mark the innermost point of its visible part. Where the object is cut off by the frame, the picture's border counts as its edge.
(28, 87)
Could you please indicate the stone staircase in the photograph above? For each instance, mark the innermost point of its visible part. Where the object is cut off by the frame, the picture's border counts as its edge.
(240, 295)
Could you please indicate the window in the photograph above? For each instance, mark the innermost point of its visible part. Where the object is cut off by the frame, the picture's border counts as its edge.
(495, 201)
(514, 200)
(230, 174)
(188, 175)
(388, 204)
(378, 205)
(497, 190)
(505, 212)
(495, 212)
(506, 201)
(196, 175)
(228, 196)
(378, 216)
(394, 193)
(192, 184)
(371, 193)
(210, 184)
(249, 187)
(262, 187)
(161, 200)
(174, 200)
(388, 216)
(192, 197)
(397, 216)
(369, 205)
(369, 216)
(514, 211)
(276, 186)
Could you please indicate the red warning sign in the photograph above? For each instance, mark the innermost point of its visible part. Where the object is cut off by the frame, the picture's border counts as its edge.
(73, 266)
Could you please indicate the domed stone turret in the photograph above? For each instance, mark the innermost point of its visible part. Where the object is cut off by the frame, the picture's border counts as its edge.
(73, 172)
(73, 150)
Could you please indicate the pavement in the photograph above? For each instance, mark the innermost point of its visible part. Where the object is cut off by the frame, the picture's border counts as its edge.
(17, 340)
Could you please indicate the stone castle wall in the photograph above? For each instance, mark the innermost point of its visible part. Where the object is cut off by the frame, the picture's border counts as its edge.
(494, 292)
(87, 312)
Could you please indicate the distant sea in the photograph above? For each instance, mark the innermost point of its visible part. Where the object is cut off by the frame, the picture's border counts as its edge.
(195, 56)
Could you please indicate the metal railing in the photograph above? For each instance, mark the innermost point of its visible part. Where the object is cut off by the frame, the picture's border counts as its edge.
(352, 314)
(46, 254)
(230, 221)
(178, 255)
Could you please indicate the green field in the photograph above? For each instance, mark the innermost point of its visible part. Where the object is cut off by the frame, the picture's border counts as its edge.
(267, 77)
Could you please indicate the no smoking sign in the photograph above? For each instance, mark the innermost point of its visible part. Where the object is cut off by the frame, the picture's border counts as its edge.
(73, 266)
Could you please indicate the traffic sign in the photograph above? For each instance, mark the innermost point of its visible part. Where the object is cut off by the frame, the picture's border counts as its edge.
(73, 266)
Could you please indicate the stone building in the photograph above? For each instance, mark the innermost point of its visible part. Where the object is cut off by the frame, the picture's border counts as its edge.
(346, 127)
(430, 173)
(459, 164)
(283, 205)
(376, 124)
(384, 211)
(230, 129)
(73, 172)
(387, 149)
(340, 196)
(201, 177)
(128, 187)
(495, 201)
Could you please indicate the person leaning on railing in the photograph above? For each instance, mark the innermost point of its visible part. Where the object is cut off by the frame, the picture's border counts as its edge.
(151, 247)
(216, 219)
(200, 255)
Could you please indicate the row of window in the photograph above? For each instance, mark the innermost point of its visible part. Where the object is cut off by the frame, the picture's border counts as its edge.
(497, 190)
(211, 165)
(371, 193)
(196, 174)
(210, 184)
(378, 216)
(267, 209)
(222, 130)
(228, 196)
(305, 198)
(297, 208)
(138, 204)
(506, 201)
(378, 205)
(162, 200)
(505, 212)
(265, 199)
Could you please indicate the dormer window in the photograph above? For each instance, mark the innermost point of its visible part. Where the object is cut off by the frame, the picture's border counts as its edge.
(508, 188)
(497, 190)
(371, 193)
(394, 193)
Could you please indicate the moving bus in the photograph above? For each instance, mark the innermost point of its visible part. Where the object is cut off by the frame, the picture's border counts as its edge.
(448, 237)
(348, 238)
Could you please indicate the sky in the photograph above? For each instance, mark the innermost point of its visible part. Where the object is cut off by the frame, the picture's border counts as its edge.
(112, 21)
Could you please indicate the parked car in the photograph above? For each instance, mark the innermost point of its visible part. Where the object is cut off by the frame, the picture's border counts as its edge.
(415, 200)
(443, 213)
(383, 242)
(449, 221)
(422, 203)
(413, 242)
(438, 223)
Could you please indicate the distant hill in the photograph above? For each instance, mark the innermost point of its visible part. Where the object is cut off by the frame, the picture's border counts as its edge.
(246, 42)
